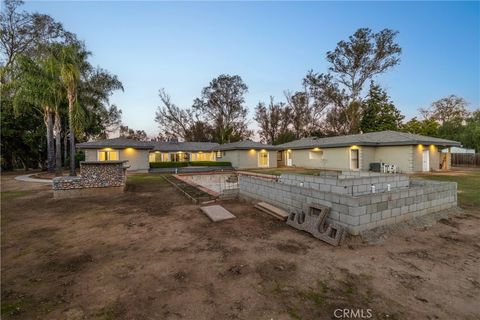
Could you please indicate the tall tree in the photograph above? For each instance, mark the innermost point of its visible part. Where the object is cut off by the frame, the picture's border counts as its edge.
(447, 109)
(427, 127)
(269, 119)
(35, 89)
(126, 132)
(25, 33)
(379, 112)
(365, 55)
(70, 77)
(222, 105)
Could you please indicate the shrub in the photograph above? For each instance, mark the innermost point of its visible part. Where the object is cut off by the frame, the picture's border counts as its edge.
(191, 163)
(168, 164)
(210, 163)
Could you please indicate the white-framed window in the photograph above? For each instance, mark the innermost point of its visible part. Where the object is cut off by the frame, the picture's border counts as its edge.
(107, 155)
(263, 159)
(220, 154)
(354, 159)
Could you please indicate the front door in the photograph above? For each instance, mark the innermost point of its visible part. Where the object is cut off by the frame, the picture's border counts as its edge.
(263, 159)
(426, 161)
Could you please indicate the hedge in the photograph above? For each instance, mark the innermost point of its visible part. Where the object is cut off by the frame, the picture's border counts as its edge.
(210, 163)
(190, 163)
(168, 164)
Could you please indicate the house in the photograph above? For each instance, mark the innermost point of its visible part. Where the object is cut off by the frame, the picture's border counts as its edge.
(248, 154)
(242, 154)
(407, 152)
(459, 150)
(140, 153)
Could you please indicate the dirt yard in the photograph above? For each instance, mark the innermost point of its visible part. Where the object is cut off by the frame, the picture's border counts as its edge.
(150, 254)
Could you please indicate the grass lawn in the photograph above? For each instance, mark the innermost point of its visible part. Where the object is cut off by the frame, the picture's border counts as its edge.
(468, 184)
(146, 178)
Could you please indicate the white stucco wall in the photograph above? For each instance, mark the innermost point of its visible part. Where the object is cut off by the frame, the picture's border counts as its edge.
(246, 159)
(137, 158)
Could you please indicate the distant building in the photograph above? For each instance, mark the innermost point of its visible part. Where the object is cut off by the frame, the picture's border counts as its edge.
(459, 150)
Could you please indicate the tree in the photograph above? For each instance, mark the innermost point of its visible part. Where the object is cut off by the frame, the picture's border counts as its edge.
(379, 113)
(427, 127)
(126, 132)
(470, 136)
(25, 33)
(222, 106)
(70, 77)
(365, 55)
(269, 120)
(37, 89)
(447, 109)
(173, 121)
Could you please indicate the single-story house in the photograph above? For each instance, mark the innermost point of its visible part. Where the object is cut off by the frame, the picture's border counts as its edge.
(140, 153)
(407, 152)
(242, 154)
(248, 154)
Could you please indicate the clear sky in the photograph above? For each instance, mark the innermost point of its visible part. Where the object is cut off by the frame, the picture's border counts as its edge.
(182, 46)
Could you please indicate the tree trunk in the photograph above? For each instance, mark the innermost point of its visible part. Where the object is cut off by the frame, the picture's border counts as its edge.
(65, 148)
(50, 147)
(58, 144)
(72, 137)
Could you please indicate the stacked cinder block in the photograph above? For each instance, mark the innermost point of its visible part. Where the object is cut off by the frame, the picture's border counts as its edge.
(359, 211)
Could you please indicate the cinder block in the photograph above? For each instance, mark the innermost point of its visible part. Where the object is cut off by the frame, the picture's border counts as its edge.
(382, 206)
(364, 219)
(386, 214)
(396, 211)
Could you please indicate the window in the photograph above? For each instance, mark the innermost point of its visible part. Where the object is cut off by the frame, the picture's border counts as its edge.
(354, 159)
(107, 155)
(219, 154)
(263, 159)
(315, 155)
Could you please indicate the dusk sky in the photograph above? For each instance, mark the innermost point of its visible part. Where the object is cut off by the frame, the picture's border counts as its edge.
(271, 45)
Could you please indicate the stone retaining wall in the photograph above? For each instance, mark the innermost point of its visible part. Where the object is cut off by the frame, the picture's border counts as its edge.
(101, 176)
(356, 212)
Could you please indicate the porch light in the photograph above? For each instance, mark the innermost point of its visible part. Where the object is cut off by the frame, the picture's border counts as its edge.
(316, 149)
(354, 147)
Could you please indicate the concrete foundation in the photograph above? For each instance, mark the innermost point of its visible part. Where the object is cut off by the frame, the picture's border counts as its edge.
(350, 197)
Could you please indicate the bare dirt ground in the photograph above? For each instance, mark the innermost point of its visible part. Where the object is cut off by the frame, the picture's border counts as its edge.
(150, 254)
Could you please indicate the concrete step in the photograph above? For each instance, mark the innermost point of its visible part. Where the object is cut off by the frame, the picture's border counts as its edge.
(272, 210)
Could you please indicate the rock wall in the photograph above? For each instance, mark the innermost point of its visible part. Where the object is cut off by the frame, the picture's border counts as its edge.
(93, 174)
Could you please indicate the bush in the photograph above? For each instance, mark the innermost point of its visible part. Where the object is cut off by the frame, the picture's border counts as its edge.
(191, 163)
(210, 164)
(168, 164)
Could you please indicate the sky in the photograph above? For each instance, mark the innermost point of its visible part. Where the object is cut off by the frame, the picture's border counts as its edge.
(182, 46)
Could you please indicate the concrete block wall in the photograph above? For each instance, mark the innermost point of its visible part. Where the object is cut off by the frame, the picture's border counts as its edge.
(351, 183)
(356, 212)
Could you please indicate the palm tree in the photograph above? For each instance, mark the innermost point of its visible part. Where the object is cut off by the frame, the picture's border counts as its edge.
(33, 91)
(57, 93)
(70, 63)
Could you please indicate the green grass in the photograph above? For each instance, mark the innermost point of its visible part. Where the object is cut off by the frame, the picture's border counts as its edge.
(468, 186)
(11, 195)
(146, 178)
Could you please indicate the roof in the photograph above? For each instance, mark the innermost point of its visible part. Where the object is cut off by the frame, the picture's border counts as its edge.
(245, 145)
(150, 145)
(381, 138)
(116, 143)
(184, 146)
